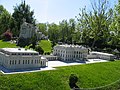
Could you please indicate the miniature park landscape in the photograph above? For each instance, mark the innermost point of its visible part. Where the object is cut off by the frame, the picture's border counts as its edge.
(67, 43)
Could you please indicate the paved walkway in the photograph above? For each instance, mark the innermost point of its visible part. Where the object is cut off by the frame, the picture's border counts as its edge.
(51, 66)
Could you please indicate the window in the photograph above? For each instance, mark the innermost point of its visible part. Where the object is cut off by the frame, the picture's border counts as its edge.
(15, 61)
(41, 63)
(19, 62)
(37, 61)
(31, 61)
(23, 61)
(10, 62)
(28, 61)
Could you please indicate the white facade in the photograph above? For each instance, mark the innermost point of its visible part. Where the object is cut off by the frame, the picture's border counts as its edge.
(101, 55)
(70, 52)
(19, 58)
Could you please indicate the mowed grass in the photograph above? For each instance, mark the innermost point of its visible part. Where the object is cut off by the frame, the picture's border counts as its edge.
(90, 76)
(46, 45)
(4, 44)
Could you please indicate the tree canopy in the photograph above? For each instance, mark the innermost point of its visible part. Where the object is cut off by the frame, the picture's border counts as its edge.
(21, 12)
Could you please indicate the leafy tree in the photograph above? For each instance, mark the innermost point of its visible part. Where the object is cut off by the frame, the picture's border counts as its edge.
(95, 24)
(23, 11)
(43, 28)
(39, 49)
(72, 82)
(115, 28)
(7, 36)
(64, 31)
(53, 32)
(6, 20)
(71, 30)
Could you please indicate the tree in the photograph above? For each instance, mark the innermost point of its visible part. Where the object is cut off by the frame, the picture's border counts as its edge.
(72, 82)
(39, 49)
(53, 32)
(64, 31)
(95, 24)
(71, 30)
(7, 36)
(115, 28)
(43, 28)
(21, 12)
(5, 20)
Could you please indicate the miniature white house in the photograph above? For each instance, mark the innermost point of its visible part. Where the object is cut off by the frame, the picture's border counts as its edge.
(70, 52)
(20, 58)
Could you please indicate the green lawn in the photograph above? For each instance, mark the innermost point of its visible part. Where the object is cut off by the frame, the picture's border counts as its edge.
(4, 44)
(45, 45)
(90, 76)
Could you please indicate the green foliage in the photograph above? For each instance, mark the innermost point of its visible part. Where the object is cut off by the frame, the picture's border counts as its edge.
(53, 32)
(43, 28)
(22, 42)
(73, 78)
(95, 24)
(46, 46)
(6, 20)
(4, 44)
(39, 49)
(89, 76)
(21, 12)
(115, 28)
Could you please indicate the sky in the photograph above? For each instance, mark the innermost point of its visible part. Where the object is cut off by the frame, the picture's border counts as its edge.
(52, 10)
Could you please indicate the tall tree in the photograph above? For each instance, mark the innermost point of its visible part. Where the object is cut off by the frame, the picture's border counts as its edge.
(71, 30)
(115, 28)
(23, 11)
(64, 31)
(53, 32)
(5, 20)
(95, 24)
(43, 28)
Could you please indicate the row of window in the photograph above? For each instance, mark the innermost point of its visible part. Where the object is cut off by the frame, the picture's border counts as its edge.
(60, 51)
(24, 54)
(13, 62)
(74, 56)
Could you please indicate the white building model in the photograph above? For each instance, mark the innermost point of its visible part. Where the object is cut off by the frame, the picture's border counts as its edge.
(70, 52)
(20, 58)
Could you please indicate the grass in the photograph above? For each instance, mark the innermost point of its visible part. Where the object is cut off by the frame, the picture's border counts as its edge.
(4, 44)
(46, 45)
(90, 76)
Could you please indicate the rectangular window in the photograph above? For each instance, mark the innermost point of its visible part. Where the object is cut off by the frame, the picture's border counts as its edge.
(19, 62)
(28, 61)
(41, 63)
(23, 61)
(31, 61)
(10, 62)
(15, 61)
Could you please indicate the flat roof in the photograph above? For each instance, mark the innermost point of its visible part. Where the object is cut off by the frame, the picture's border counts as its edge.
(73, 46)
(19, 50)
(102, 53)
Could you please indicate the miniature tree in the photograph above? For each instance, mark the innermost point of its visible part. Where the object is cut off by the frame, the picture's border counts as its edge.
(72, 82)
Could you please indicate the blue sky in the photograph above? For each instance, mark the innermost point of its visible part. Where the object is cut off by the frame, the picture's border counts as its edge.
(52, 10)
